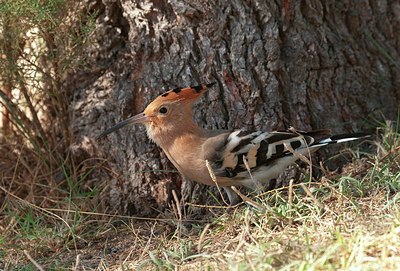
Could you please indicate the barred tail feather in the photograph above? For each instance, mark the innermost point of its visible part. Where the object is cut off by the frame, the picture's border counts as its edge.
(337, 139)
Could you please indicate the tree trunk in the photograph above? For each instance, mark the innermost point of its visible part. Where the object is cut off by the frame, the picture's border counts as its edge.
(309, 64)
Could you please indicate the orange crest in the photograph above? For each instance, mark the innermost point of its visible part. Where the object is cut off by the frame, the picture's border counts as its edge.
(183, 94)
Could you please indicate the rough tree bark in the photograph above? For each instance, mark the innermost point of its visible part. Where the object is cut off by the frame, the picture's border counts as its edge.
(309, 64)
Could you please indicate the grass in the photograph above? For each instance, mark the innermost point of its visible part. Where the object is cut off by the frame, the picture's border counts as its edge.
(347, 221)
(49, 215)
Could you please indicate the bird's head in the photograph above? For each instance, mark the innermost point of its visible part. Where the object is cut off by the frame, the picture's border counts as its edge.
(167, 113)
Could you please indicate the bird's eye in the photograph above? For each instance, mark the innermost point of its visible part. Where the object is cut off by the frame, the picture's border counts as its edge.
(163, 110)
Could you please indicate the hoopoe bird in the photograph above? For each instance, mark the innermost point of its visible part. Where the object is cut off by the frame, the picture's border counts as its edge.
(237, 157)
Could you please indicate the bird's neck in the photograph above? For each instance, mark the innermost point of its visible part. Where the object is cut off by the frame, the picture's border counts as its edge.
(170, 136)
(180, 142)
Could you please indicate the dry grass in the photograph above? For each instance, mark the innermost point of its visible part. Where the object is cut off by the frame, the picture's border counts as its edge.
(354, 226)
(49, 215)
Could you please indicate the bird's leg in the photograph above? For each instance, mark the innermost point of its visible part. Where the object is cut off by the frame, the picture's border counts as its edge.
(254, 186)
(257, 187)
(186, 189)
(232, 196)
(270, 185)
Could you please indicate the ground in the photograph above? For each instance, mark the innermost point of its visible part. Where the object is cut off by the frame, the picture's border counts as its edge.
(348, 220)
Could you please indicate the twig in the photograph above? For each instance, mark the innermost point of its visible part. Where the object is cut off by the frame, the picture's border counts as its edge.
(77, 260)
(201, 239)
(207, 206)
(246, 164)
(44, 210)
(212, 175)
(314, 199)
(395, 151)
(247, 199)
(49, 212)
(256, 182)
(290, 201)
(38, 266)
(325, 171)
(258, 188)
(301, 157)
(178, 207)
(34, 113)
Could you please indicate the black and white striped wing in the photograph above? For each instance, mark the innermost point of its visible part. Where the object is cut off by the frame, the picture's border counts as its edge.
(260, 149)
(265, 152)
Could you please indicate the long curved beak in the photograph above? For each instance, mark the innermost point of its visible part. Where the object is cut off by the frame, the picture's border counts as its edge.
(139, 118)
